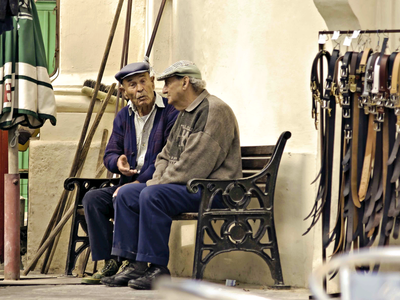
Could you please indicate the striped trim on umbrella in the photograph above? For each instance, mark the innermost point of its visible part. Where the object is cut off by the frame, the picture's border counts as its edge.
(26, 92)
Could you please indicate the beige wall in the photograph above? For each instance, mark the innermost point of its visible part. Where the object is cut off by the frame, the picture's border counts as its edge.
(255, 55)
(257, 58)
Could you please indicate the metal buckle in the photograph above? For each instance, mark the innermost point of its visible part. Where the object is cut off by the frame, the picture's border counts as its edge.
(313, 86)
(377, 126)
(348, 133)
(325, 105)
(394, 99)
(344, 72)
(346, 100)
(360, 102)
(372, 109)
(333, 89)
(397, 111)
(389, 104)
(328, 84)
(380, 117)
(346, 113)
(344, 87)
(365, 98)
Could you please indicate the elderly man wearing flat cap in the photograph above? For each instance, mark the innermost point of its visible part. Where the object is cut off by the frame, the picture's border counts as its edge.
(139, 133)
(204, 143)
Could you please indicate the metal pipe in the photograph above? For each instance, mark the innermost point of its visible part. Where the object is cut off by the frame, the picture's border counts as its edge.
(3, 170)
(11, 227)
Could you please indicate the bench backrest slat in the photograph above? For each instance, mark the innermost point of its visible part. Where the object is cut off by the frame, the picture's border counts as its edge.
(257, 150)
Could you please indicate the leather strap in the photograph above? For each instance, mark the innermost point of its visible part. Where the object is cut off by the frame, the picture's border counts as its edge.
(315, 85)
(369, 154)
(392, 57)
(383, 77)
(336, 82)
(354, 141)
(327, 117)
(363, 63)
(369, 75)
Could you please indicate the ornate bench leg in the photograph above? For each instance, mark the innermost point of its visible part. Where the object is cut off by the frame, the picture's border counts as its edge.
(73, 253)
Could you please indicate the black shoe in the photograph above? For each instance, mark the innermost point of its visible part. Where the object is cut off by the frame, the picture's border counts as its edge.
(127, 272)
(145, 282)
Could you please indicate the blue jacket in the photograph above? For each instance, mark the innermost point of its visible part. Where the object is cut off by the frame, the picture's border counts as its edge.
(123, 141)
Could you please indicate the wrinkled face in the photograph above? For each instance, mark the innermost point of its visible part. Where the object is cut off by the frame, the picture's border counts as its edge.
(139, 88)
(173, 90)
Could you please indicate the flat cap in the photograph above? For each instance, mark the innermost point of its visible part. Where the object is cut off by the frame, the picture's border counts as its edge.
(132, 69)
(181, 68)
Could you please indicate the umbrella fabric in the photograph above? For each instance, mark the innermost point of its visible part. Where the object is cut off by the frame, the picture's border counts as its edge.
(26, 92)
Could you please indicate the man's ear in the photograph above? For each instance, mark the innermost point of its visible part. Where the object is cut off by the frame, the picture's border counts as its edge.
(122, 92)
(185, 83)
(152, 82)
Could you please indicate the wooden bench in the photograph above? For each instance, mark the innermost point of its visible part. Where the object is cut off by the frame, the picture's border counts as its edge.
(260, 168)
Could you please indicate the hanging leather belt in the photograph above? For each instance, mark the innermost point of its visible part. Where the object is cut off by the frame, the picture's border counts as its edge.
(371, 137)
(316, 82)
(327, 127)
(329, 98)
(367, 87)
(394, 159)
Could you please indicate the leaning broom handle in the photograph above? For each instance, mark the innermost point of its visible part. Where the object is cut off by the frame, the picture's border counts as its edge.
(153, 35)
(50, 239)
(85, 150)
(83, 153)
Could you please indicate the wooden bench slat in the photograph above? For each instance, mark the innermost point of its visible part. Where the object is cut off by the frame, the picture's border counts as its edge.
(186, 216)
(257, 150)
(254, 164)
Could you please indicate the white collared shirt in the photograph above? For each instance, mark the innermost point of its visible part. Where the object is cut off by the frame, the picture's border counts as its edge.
(143, 127)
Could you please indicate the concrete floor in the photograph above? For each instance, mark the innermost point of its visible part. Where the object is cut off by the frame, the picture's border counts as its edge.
(38, 286)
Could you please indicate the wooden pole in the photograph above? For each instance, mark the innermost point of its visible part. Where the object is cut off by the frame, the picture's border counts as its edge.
(84, 153)
(50, 239)
(153, 35)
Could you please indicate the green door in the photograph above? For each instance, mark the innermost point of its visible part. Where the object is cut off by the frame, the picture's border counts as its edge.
(48, 18)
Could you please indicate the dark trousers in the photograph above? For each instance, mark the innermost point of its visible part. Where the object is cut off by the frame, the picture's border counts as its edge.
(142, 222)
(98, 206)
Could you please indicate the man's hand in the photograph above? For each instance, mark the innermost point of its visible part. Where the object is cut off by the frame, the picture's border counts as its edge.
(116, 191)
(124, 167)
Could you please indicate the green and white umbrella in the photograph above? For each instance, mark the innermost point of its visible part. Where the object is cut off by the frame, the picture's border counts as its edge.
(26, 92)
(27, 99)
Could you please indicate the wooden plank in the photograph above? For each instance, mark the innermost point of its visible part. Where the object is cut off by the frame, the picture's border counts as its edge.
(257, 150)
(254, 164)
(185, 217)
